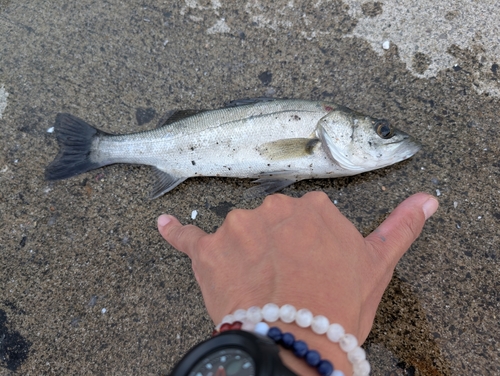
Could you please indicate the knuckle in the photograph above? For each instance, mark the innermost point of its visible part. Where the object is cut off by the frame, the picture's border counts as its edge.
(273, 200)
(318, 197)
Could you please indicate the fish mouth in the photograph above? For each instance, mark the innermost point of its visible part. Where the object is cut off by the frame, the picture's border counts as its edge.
(407, 147)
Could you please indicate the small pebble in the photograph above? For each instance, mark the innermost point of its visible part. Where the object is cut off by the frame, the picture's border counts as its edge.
(386, 45)
(455, 204)
(438, 192)
(194, 213)
(50, 130)
(103, 310)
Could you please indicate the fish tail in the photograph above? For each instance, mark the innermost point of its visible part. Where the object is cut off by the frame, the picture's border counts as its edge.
(75, 138)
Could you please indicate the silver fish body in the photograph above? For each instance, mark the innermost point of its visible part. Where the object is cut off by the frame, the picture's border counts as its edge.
(277, 142)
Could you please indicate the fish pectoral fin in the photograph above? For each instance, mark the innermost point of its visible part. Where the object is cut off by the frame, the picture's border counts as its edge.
(288, 148)
(271, 183)
(164, 183)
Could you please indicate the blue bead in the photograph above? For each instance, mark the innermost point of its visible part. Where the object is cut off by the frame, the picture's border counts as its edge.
(275, 334)
(287, 340)
(300, 349)
(313, 358)
(325, 368)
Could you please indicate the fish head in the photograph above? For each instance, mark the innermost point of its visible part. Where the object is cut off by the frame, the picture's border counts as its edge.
(360, 143)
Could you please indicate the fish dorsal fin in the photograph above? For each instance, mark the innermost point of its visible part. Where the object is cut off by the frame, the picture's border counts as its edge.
(288, 148)
(164, 183)
(333, 151)
(244, 102)
(175, 115)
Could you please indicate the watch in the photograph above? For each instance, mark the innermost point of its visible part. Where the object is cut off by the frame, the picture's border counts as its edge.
(233, 353)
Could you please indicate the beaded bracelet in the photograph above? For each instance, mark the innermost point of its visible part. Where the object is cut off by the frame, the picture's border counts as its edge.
(287, 340)
(304, 318)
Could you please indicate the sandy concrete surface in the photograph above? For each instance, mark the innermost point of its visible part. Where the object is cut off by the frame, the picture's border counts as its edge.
(87, 286)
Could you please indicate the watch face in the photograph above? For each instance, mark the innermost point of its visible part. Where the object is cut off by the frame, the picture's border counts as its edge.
(227, 362)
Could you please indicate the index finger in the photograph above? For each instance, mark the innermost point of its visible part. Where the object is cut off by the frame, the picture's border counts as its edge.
(182, 237)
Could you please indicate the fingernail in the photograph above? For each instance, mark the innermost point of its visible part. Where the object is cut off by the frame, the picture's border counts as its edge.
(163, 220)
(429, 207)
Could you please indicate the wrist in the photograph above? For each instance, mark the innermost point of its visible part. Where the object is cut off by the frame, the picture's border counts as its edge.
(327, 342)
(328, 350)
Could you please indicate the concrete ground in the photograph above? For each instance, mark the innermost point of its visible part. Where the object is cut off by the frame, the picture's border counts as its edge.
(87, 286)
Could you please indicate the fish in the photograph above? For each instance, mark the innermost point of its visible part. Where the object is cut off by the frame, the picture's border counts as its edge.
(277, 142)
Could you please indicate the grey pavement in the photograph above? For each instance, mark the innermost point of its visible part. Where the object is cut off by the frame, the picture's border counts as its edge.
(87, 286)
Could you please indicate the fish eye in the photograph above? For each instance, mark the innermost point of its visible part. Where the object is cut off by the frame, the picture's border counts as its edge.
(384, 129)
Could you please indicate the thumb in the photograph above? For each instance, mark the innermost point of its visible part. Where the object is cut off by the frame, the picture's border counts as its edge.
(403, 226)
(183, 238)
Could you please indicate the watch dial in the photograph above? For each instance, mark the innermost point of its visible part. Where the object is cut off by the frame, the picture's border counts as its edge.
(228, 362)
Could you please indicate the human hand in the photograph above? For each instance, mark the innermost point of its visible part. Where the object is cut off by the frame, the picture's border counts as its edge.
(302, 252)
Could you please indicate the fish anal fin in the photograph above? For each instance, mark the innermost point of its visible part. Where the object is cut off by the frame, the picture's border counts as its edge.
(175, 115)
(164, 183)
(288, 148)
(267, 186)
(271, 182)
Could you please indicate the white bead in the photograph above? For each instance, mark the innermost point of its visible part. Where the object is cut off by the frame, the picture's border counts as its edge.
(271, 312)
(229, 319)
(303, 318)
(361, 368)
(357, 355)
(335, 332)
(348, 342)
(287, 313)
(247, 325)
(239, 314)
(254, 314)
(337, 373)
(320, 324)
(261, 328)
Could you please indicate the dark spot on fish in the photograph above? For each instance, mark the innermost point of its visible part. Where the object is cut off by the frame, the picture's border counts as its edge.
(370, 143)
(144, 115)
(192, 148)
(296, 117)
(229, 168)
(268, 164)
(266, 78)
(193, 163)
(14, 348)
